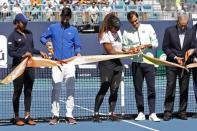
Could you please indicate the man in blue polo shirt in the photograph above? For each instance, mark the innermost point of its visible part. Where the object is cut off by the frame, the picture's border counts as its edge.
(65, 43)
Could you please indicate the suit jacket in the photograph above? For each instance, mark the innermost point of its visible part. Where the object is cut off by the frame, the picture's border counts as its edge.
(194, 38)
(171, 43)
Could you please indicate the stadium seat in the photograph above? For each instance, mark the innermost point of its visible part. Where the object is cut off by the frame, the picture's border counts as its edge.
(191, 1)
(148, 12)
(147, 8)
(119, 7)
(120, 10)
(132, 8)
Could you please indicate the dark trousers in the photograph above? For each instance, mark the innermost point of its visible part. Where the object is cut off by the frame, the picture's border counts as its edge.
(26, 80)
(194, 73)
(171, 74)
(139, 72)
(110, 78)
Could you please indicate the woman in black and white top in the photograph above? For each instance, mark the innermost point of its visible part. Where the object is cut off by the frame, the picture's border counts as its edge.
(110, 71)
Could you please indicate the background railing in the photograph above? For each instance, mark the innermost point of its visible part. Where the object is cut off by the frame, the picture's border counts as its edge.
(78, 16)
(43, 13)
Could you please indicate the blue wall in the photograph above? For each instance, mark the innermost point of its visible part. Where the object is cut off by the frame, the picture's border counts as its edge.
(90, 45)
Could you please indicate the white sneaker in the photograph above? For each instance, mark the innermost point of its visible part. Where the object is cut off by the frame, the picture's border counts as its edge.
(140, 117)
(153, 117)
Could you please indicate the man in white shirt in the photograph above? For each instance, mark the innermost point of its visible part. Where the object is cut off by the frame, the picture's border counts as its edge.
(93, 12)
(137, 36)
(17, 9)
(25, 2)
(5, 11)
(106, 9)
(4, 1)
(49, 11)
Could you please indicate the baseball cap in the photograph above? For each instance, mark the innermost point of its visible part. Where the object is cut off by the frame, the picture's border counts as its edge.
(20, 17)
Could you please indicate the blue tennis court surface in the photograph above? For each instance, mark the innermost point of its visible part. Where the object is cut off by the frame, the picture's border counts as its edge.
(87, 86)
(124, 125)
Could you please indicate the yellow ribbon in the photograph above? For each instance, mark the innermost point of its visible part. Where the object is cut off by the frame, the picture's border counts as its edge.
(40, 62)
(157, 61)
(78, 60)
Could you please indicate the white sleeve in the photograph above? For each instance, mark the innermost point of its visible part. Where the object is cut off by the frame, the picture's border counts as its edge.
(125, 40)
(104, 39)
(153, 37)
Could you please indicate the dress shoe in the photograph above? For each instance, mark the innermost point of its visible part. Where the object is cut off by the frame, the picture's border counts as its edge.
(167, 116)
(194, 116)
(183, 116)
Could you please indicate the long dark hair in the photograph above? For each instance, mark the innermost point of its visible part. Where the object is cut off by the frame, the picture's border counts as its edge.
(110, 20)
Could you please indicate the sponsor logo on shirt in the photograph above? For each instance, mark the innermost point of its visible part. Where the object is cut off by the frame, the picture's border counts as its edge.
(69, 33)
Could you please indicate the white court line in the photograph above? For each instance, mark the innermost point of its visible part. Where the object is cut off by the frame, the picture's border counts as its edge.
(146, 127)
(126, 121)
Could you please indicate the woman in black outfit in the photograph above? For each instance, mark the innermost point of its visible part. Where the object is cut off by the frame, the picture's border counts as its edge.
(110, 71)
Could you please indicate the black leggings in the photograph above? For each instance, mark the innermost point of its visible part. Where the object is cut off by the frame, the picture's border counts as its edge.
(110, 77)
(26, 80)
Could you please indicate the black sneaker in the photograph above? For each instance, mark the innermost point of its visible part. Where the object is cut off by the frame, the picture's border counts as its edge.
(96, 118)
(54, 120)
(70, 120)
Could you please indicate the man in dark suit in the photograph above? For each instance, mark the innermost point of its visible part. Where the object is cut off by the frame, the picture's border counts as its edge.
(194, 60)
(177, 40)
